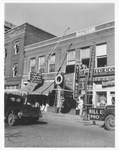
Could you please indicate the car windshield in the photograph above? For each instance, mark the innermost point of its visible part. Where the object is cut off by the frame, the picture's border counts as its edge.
(31, 99)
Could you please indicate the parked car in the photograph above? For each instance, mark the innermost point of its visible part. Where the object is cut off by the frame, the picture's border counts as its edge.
(108, 116)
(17, 106)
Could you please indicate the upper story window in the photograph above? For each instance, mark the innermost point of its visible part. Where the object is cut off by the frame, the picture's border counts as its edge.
(5, 52)
(32, 64)
(71, 57)
(101, 55)
(15, 69)
(85, 57)
(51, 65)
(40, 63)
(16, 47)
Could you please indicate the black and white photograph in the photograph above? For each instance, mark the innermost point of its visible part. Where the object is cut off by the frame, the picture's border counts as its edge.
(59, 84)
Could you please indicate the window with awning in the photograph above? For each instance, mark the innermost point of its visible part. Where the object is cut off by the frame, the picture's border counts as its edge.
(32, 64)
(85, 56)
(101, 55)
(71, 57)
(40, 62)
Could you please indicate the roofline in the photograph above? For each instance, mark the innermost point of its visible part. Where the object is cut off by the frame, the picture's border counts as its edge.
(66, 35)
(26, 23)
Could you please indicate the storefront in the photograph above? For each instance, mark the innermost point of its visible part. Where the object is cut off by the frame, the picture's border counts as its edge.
(105, 94)
(103, 90)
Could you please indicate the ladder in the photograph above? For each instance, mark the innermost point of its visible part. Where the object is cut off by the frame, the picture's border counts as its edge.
(51, 52)
(89, 77)
(91, 65)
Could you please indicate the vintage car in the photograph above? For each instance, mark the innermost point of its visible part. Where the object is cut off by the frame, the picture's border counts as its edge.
(18, 106)
(108, 116)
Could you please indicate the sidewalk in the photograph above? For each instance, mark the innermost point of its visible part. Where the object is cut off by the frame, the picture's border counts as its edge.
(68, 117)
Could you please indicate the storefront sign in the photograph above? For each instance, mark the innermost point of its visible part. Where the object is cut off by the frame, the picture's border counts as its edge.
(99, 71)
(108, 83)
(104, 71)
(84, 32)
(36, 77)
(95, 113)
(76, 82)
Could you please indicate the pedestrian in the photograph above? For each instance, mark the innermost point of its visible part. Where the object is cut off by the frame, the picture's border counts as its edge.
(80, 105)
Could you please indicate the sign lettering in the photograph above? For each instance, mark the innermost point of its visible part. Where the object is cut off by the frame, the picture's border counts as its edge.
(36, 77)
(99, 71)
(76, 82)
(95, 113)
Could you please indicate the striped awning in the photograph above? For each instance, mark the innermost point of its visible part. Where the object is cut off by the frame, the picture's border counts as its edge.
(45, 88)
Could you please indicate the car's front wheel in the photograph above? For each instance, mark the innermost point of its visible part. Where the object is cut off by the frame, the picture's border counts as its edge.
(110, 122)
(11, 119)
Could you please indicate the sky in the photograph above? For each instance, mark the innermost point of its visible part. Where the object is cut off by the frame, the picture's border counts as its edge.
(55, 18)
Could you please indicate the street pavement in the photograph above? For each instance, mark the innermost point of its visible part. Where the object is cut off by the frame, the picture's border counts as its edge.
(59, 130)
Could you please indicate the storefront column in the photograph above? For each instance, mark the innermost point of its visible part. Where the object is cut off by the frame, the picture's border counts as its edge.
(94, 94)
(108, 98)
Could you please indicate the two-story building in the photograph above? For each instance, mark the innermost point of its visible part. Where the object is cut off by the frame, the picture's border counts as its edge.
(76, 47)
(15, 40)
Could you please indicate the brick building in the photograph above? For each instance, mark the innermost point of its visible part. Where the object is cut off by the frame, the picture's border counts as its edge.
(76, 46)
(15, 40)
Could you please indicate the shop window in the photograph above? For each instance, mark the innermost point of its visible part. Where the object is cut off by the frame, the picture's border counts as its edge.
(15, 69)
(51, 65)
(101, 99)
(101, 55)
(32, 64)
(89, 97)
(40, 63)
(71, 57)
(16, 47)
(85, 57)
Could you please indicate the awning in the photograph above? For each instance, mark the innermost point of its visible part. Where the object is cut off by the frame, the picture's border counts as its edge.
(45, 88)
(11, 83)
(12, 91)
(28, 88)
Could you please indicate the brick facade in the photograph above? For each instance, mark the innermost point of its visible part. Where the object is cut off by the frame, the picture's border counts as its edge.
(101, 34)
(25, 34)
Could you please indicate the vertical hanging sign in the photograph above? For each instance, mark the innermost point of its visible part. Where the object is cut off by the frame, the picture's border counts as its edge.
(76, 82)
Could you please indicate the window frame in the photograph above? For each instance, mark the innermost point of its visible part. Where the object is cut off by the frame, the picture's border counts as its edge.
(85, 58)
(39, 66)
(13, 71)
(30, 64)
(101, 56)
(15, 50)
(71, 62)
(5, 51)
(49, 63)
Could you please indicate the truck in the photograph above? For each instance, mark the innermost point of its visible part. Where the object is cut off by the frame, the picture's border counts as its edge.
(105, 114)
(18, 107)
